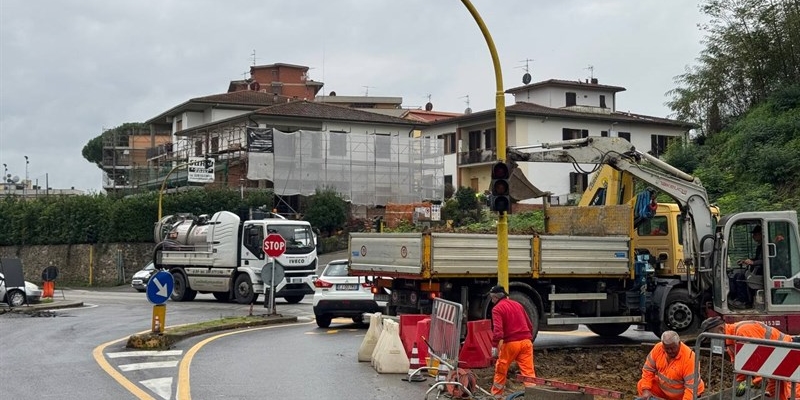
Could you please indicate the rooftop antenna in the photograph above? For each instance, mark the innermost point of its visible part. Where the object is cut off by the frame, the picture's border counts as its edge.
(254, 57)
(467, 110)
(591, 71)
(366, 92)
(526, 78)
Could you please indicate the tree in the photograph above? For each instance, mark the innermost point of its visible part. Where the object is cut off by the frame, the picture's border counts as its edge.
(93, 151)
(326, 210)
(751, 51)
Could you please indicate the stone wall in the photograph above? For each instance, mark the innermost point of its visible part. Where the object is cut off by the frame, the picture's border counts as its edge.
(111, 263)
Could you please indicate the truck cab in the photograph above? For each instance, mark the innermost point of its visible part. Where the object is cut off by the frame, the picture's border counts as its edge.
(772, 289)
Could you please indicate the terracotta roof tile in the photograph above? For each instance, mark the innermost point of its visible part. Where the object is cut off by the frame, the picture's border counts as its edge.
(309, 109)
(563, 83)
(243, 97)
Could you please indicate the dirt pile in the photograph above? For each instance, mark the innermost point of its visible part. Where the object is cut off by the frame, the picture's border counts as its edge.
(612, 368)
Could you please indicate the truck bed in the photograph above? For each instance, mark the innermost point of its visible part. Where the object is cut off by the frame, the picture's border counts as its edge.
(475, 255)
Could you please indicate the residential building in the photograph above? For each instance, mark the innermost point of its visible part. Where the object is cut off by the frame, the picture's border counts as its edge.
(547, 111)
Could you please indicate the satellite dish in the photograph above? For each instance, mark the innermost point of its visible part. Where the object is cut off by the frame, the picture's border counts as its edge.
(255, 86)
(332, 94)
(15, 179)
(526, 79)
(468, 111)
(429, 106)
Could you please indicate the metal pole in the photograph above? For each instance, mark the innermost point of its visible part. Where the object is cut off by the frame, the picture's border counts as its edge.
(164, 183)
(500, 127)
(272, 290)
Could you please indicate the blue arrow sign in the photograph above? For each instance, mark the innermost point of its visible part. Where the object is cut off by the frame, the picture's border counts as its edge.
(159, 287)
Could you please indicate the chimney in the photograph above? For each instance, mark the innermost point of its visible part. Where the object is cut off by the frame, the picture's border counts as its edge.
(594, 81)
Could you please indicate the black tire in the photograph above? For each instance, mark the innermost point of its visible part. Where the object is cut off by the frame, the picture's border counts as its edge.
(141, 290)
(222, 297)
(323, 321)
(608, 330)
(530, 307)
(680, 314)
(359, 320)
(243, 290)
(294, 299)
(15, 298)
(181, 290)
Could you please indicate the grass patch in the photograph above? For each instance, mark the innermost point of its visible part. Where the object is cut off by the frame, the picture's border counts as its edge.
(227, 321)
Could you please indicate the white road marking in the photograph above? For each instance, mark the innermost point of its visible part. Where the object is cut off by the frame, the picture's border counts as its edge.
(160, 386)
(148, 365)
(153, 353)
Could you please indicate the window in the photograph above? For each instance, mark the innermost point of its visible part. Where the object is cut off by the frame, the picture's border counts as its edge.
(783, 264)
(569, 134)
(604, 133)
(490, 139)
(383, 146)
(571, 99)
(475, 140)
(198, 148)
(656, 226)
(624, 135)
(448, 142)
(338, 144)
(659, 144)
(448, 180)
(602, 101)
(178, 125)
(215, 144)
(277, 88)
(578, 182)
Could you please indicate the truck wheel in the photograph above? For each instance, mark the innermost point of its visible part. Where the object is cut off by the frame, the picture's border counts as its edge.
(222, 297)
(323, 321)
(294, 299)
(181, 291)
(608, 330)
(527, 303)
(679, 313)
(243, 290)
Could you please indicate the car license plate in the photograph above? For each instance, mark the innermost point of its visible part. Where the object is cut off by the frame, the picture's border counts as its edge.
(295, 280)
(347, 286)
(382, 297)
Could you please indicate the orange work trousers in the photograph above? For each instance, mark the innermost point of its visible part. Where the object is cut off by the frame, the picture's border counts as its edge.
(520, 351)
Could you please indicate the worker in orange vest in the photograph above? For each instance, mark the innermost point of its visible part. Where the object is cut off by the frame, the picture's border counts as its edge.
(512, 334)
(668, 372)
(755, 330)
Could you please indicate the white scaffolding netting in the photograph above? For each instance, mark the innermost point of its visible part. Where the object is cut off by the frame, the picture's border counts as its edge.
(367, 169)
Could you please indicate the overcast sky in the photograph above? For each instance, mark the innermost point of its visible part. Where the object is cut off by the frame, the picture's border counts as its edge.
(70, 69)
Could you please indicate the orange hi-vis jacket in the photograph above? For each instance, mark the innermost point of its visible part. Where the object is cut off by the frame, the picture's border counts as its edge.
(751, 329)
(673, 378)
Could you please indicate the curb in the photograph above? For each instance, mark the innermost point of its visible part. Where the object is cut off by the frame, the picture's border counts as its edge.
(163, 341)
(35, 308)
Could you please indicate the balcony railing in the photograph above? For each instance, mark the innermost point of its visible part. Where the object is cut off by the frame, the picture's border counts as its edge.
(477, 156)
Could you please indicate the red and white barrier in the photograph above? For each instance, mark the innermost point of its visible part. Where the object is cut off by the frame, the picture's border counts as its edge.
(769, 361)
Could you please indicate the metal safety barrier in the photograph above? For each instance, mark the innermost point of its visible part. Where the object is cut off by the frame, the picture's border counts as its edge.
(767, 366)
(445, 334)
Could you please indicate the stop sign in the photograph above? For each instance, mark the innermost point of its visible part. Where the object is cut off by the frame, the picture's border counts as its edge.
(274, 245)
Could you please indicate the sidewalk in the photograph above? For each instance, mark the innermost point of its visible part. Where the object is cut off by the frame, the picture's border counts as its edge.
(57, 303)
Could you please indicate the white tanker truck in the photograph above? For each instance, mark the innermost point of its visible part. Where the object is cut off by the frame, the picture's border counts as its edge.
(224, 255)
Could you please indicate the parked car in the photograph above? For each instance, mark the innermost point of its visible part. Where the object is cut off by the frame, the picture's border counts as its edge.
(16, 296)
(141, 277)
(338, 295)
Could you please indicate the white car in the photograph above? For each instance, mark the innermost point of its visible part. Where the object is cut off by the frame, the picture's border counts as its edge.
(142, 277)
(338, 295)
(15, 296)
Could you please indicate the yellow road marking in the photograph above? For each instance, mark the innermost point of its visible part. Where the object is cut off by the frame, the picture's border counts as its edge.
(99, 357)
(184, 390)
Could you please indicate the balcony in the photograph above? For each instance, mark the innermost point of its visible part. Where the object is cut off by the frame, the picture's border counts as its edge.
(477, 156)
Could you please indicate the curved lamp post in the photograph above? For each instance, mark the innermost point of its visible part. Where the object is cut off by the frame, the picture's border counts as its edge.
(164, 183)
(500, 127)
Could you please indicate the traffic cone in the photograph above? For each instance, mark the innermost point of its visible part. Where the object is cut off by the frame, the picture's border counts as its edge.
(413, 365)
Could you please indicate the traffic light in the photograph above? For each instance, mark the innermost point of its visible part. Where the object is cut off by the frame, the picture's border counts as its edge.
(501, 199)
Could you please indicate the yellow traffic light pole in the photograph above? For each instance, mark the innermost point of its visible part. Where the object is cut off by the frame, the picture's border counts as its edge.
(500, 120)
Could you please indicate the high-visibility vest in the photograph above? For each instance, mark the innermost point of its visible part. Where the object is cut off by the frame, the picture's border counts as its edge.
(674, 377)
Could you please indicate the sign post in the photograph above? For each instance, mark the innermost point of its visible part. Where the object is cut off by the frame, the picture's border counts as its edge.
(274, 246)
(159, 289)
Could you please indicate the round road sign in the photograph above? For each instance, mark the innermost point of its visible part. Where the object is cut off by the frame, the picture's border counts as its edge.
(274, 245)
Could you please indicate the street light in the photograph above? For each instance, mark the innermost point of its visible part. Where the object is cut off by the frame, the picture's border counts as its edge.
(164, 183)
(25, 186)
(500, 127)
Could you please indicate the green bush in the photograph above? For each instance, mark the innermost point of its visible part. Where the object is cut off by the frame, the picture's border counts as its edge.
(326, 210)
